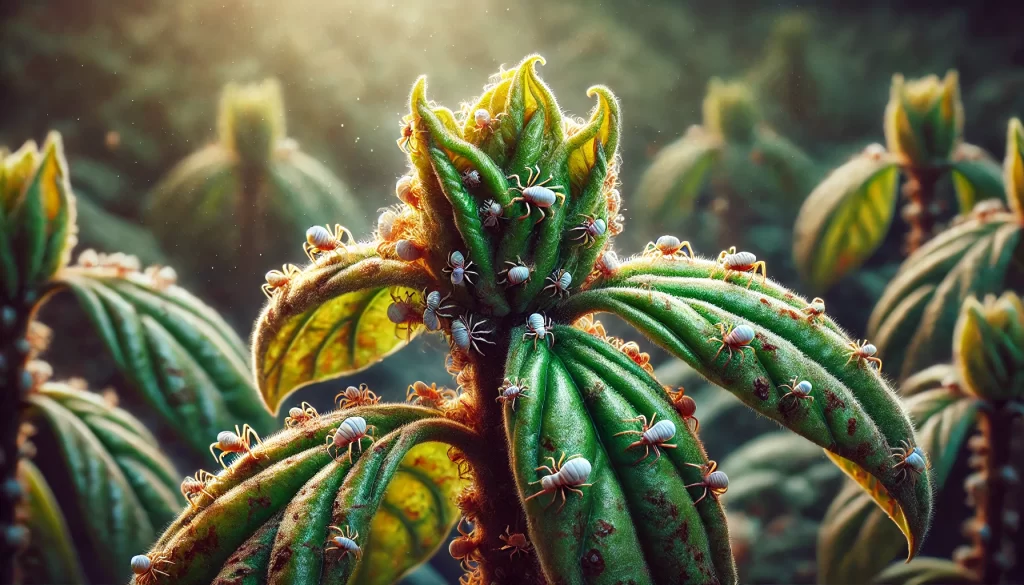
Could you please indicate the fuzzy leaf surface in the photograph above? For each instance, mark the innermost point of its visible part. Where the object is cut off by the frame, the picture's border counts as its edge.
(854, 416)
(638, 521)
(125, 488)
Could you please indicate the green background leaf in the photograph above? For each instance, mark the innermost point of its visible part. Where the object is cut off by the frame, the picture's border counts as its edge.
(845, 219)
(51, 556)
(125, 488)
(178, 353)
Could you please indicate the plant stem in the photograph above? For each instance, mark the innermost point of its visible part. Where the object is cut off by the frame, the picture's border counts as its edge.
(994, 532)
(14, 351)
(499, 505)
(919, 190)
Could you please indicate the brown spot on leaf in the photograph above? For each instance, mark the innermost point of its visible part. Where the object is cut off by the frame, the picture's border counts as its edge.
(761, 387)
(851, 426)
(281, 558)
(206, 544)
(604, 529)
(833, 401)
(592, 563)
(764, 343)
(547, 444)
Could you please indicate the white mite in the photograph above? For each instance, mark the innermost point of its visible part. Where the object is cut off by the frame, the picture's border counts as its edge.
(669, 247)
(539, 328)
(386, 224)
(482, 118)
(239, 441)
(863, 352)
(714, 482)
(652, 435)
(510, 391)
(352, 431)
(797, 390)
(89, 258)
(732, 261)
(561, 478)
(591, 229)
(405, 192)
(560, 281)
(471, 179)
(277, 279)
(320, 239)
(733, 339)
(491, 212)
(516, 274)
(536, 194)
(465, 334)
(344, 542)
(408, 250)
(608, 263)
(459, 268)
(144, 567)
(910, 461)
(433, 310)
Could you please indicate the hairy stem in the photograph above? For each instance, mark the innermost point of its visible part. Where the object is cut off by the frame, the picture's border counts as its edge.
(993, 537)
(920, 212)
(498, 500)
(14, 351)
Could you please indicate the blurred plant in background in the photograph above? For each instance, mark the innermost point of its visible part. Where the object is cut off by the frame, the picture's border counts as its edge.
(751, 177)
(982, 253)
(223, 211)
(846, 218)
(94, 479)
(980, 393)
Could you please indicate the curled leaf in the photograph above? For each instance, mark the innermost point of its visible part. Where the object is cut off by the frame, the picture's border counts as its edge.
(988, 347)
(857, 540)
(1013, 167)
(914, 319)
(854, 415)
(845, 218)
(331, 320)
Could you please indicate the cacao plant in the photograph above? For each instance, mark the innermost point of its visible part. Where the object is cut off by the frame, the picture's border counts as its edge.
(182, 358)
(980, 254)
(846, 218)
(981, 392)
(753, 175)
(565, 456)
(232, 201)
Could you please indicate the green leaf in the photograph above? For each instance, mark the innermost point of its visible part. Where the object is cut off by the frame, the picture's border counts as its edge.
(398, 495)
(976, 177)
(330, 321)
(184, 359)
(914, 319)
(125, 488)
(789, 166)
(676, 177)
(925, 571)
(856, 540)
(929, 379)
(845, 218)
(51, 556)
(637, 522)
(854, 416)
(988, 347)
